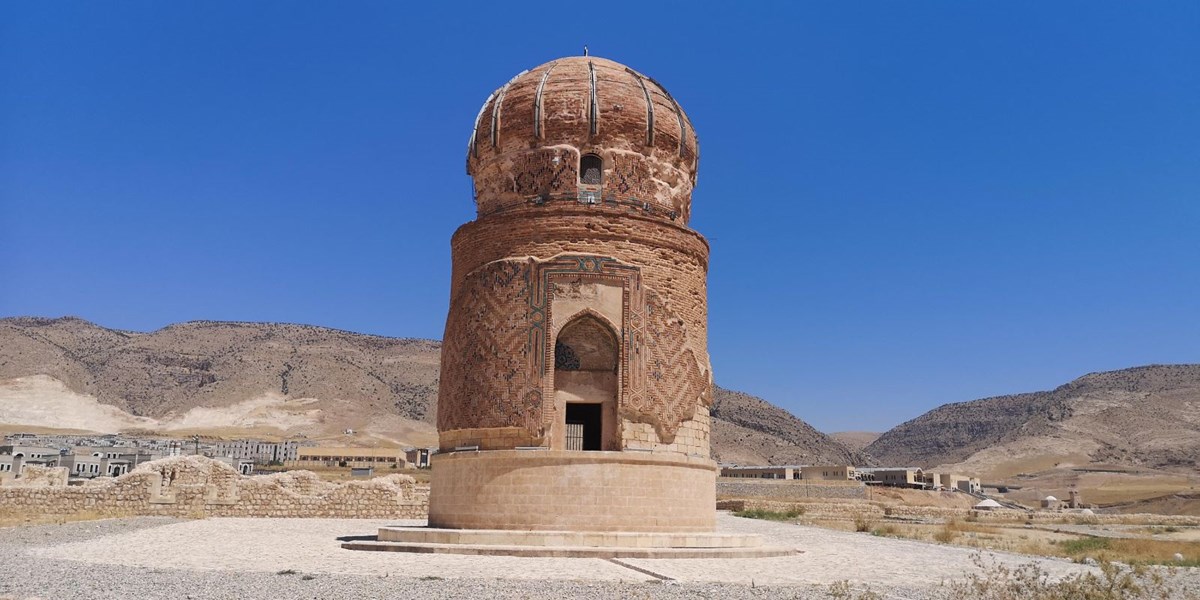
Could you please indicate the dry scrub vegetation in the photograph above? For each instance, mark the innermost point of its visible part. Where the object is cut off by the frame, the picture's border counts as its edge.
(1013, 537)
(1038, 542)
(1031, 582)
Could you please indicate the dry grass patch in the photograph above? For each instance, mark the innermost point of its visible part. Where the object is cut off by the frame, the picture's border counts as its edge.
(1132, 551)
(771, 515)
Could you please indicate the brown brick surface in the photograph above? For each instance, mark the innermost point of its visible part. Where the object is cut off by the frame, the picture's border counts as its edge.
(548, 249)
(512, 150)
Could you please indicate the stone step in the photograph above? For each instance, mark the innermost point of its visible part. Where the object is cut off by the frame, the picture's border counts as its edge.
(569, 551)
(503, 537)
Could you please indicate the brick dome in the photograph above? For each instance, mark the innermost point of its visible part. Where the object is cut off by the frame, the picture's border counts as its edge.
(584, 129)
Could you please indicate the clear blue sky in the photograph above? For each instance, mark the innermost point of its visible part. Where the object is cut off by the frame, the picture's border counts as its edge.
(909, 203)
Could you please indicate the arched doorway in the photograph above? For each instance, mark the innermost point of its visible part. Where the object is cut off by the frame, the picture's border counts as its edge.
(586, 354)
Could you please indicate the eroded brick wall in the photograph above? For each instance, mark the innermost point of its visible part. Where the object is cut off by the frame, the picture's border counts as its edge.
(531, 132)
(196, 487)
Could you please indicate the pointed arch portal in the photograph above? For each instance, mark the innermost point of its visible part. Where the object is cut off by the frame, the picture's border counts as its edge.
(586, 359)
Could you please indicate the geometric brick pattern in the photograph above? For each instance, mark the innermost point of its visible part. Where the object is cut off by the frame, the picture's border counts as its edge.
(486, 381)
(676, 381)
(577, 106)
(498, 349)
(629, 178)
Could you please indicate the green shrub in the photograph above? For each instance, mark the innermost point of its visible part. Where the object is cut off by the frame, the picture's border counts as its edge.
(771, 515)
(1084, 545)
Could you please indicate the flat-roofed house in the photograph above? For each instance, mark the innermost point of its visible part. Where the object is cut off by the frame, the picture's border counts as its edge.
(828, 472)
(936, 480)
(762, 472)
(419, 457)
(317, 456)
(909, 477)
(93, 465)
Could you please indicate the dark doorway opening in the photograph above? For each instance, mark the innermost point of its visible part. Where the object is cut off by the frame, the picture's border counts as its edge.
(583, 426)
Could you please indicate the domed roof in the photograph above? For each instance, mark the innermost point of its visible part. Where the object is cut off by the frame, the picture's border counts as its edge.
(584, 101)
(532, 134)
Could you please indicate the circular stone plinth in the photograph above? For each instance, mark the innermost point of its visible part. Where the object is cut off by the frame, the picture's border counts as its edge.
(575, 491)
(567, 544)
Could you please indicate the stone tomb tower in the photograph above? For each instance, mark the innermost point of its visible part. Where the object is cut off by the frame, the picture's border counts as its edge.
(576, 383)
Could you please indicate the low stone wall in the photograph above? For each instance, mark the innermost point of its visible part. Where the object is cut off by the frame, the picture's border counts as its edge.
(878, 510)
(798, 490)
(828, 510)
(193, 486)
(39, 476)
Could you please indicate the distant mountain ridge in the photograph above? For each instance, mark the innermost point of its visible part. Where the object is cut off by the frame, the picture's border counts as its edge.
(1144, 416)
(754, 431)
(243, 379)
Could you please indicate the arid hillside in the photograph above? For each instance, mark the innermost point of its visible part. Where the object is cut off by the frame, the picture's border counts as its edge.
(274, 380)
(232, 378)
(751, 431)
(1145, 416)
(855, 440)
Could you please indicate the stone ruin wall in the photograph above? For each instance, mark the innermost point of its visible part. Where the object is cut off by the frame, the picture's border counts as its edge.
(791, 490)
(39, 476)
(196, 487)
(850, 509)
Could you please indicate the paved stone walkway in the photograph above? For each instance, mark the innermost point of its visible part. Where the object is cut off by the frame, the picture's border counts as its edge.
(311, 546)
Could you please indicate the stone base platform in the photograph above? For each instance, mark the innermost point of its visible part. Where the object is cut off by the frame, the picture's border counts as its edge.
(571, 490)
(567, 544)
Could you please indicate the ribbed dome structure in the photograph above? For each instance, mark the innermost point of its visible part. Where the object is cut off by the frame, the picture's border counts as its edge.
(583, 129)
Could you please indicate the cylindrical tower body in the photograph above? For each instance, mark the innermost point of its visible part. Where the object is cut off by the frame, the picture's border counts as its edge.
(575, 375)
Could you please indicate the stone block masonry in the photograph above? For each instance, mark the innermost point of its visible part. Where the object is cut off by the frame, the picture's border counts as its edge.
(196, 487)
(791, 490)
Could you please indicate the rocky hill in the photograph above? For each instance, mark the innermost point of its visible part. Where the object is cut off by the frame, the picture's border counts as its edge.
(1144, 416)
(751, 431)
(270, 380)
(855, 440)
(213, 377)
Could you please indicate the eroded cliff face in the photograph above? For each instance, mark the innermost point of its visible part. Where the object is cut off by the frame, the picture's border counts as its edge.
(257, 378)
(748, 430)
(1146, 416)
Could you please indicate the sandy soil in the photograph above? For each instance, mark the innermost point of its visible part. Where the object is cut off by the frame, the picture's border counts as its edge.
(310, 545)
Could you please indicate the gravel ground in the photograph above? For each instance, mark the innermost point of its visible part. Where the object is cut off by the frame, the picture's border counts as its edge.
(148, 558)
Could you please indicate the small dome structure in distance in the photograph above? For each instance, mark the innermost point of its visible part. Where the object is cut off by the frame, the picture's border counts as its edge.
(988, 504)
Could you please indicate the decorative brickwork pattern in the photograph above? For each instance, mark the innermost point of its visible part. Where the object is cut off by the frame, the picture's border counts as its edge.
(605, 428)
(629, 178)
(497, 350)
(492, 354)
(647, 143)
(676, 380)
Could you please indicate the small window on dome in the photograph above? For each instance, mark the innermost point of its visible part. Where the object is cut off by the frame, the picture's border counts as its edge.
(591, 169)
